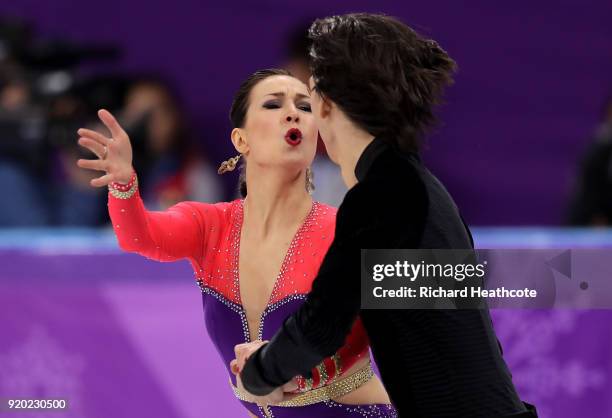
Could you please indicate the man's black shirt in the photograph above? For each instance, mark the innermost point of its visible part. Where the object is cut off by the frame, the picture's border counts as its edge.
(433, 363)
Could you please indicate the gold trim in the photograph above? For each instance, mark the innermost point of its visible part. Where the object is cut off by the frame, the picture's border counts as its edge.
(334, 390)
(323, 377)
(338, 364)
(308, 383)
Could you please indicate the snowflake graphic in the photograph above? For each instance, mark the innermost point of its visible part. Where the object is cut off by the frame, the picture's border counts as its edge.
(531, 340)
(40, 368)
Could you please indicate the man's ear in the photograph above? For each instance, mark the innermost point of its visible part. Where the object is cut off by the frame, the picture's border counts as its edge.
(326, 107)
(240, 141)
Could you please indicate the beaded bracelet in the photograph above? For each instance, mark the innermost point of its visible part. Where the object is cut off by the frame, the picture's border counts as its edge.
(124, 187)
(124, 191)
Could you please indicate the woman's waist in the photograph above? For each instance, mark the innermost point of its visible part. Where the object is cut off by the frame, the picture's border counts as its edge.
(332, 369)
(356, 377)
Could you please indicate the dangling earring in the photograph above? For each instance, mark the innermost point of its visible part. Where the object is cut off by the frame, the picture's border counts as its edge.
(310, 187)
(229, 165)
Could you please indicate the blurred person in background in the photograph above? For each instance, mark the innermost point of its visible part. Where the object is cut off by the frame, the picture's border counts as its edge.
(592, 201)
(44, 98)
(21, 150)
(71, 201)
(40, 106)
(22, 144)
(254, 258)
(329, 188)
(170, 165)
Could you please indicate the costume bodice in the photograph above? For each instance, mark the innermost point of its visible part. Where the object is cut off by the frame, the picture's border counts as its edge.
(219, 281)
(208, 235)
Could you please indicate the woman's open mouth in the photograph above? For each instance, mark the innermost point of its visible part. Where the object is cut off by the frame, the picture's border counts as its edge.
(293, 136)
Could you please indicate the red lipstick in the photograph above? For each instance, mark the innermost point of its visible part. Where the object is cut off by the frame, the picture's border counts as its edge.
(293, 136)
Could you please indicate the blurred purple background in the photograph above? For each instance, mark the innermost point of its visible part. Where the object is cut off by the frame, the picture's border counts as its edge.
(532, 80)
(122, 336)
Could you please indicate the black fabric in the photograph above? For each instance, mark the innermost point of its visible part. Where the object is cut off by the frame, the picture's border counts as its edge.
(433, 363)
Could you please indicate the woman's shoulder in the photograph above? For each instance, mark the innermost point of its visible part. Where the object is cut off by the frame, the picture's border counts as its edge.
(325, 213)
(204, 207)
(323, 224)
(212, 213)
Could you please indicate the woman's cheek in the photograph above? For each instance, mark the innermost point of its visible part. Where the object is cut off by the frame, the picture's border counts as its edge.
(311, 134)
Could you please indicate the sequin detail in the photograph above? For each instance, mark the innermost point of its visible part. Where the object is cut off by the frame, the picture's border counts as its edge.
(366, 411)
(233, 306)
(221, 279)
(281, 278)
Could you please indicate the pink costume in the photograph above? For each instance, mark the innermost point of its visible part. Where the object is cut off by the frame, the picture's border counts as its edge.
(208, 235)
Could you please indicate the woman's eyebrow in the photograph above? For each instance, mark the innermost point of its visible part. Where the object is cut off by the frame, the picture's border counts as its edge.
(297, 95)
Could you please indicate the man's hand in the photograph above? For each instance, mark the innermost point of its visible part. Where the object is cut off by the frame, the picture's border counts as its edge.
(243, 352)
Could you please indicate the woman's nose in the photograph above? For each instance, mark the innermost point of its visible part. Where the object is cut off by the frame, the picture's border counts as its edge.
(292, 116)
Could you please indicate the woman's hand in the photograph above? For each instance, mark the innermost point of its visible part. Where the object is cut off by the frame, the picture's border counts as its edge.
(243, 352)
(114, 154)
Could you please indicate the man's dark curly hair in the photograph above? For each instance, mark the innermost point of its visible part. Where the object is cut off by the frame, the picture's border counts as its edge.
(383, 75)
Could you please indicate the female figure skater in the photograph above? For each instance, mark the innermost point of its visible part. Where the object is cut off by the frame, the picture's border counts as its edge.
(254, 258)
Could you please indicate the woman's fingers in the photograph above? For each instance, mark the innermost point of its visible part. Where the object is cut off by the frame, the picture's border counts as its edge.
(241, 351)
(96, 136)
(93, 146)
(245, 350)
(99, 165)
(111, 123)
(105, 180)
(291, 385)
(114, 154)
(234, 367)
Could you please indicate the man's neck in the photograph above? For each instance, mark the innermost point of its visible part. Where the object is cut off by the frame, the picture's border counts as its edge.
(351, 147)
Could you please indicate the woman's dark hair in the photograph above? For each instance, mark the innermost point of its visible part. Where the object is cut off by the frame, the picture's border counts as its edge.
(381, 73)
(240, 106)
